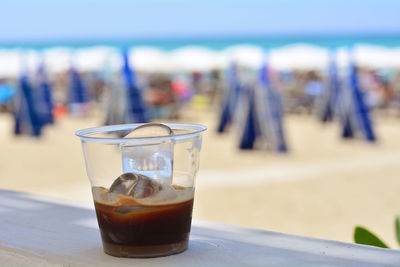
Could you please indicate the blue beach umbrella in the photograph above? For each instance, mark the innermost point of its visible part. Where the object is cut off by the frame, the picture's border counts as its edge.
(250, 132)
(329, 98)
(354, 113)
(346, 111)
(345, 107)
(270, 115)
(77, 91)
(348, 131)
(45, 98)
(361, 109)
(230, 99)
(27, 119)
(116, 99)
(136, 111)
(225, 117)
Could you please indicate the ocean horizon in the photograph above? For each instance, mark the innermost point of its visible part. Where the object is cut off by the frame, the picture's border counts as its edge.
(214, 43)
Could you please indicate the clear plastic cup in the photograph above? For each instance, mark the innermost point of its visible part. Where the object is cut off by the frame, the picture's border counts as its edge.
(147, 212)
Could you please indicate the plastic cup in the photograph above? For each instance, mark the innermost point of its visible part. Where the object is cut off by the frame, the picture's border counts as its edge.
(154, 218)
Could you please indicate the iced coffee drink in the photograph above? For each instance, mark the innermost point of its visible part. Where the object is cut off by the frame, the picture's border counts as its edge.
(141, 217)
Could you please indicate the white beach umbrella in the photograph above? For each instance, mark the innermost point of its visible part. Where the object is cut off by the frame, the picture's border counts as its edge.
(377, 57)
(94, 58)
(248, 56)
(342, 58)
(114, 62)
(148, 59)
(57, 59)
(371, 56)
(31, 60)
(395, 58)
(195, 58)
(299, 56)
(10, 63)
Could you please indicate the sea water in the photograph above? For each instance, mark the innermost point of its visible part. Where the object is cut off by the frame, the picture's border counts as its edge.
(217, 43)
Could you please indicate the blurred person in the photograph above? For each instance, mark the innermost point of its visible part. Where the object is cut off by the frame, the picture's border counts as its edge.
(7, 92)
(313, 88)
(196, 78)
(160, 98)
(369, 83)
(96, 85)
(386, 92)
(395, 84)
(159, 93)
(215, 86)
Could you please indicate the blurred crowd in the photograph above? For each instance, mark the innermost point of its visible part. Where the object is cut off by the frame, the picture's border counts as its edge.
(301, 89)
(163, 95)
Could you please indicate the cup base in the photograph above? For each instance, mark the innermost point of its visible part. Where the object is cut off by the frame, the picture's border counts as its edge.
(144, 251)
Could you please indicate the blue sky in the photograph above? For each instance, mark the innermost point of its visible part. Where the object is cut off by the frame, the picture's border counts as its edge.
(88, 19)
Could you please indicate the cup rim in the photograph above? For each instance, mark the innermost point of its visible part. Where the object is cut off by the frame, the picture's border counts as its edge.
(84, 134)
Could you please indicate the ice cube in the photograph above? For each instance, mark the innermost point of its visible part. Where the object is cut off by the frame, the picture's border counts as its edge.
(135, 185)
(147, 191)
(153, 159)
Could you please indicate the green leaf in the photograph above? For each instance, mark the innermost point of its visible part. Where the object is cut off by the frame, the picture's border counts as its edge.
(365, 237)
(397, 223)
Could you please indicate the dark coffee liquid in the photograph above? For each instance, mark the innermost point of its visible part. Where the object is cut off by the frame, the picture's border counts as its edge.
(135, 230)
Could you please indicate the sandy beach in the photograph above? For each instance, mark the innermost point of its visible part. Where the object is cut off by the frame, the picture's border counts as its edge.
(322, 188)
